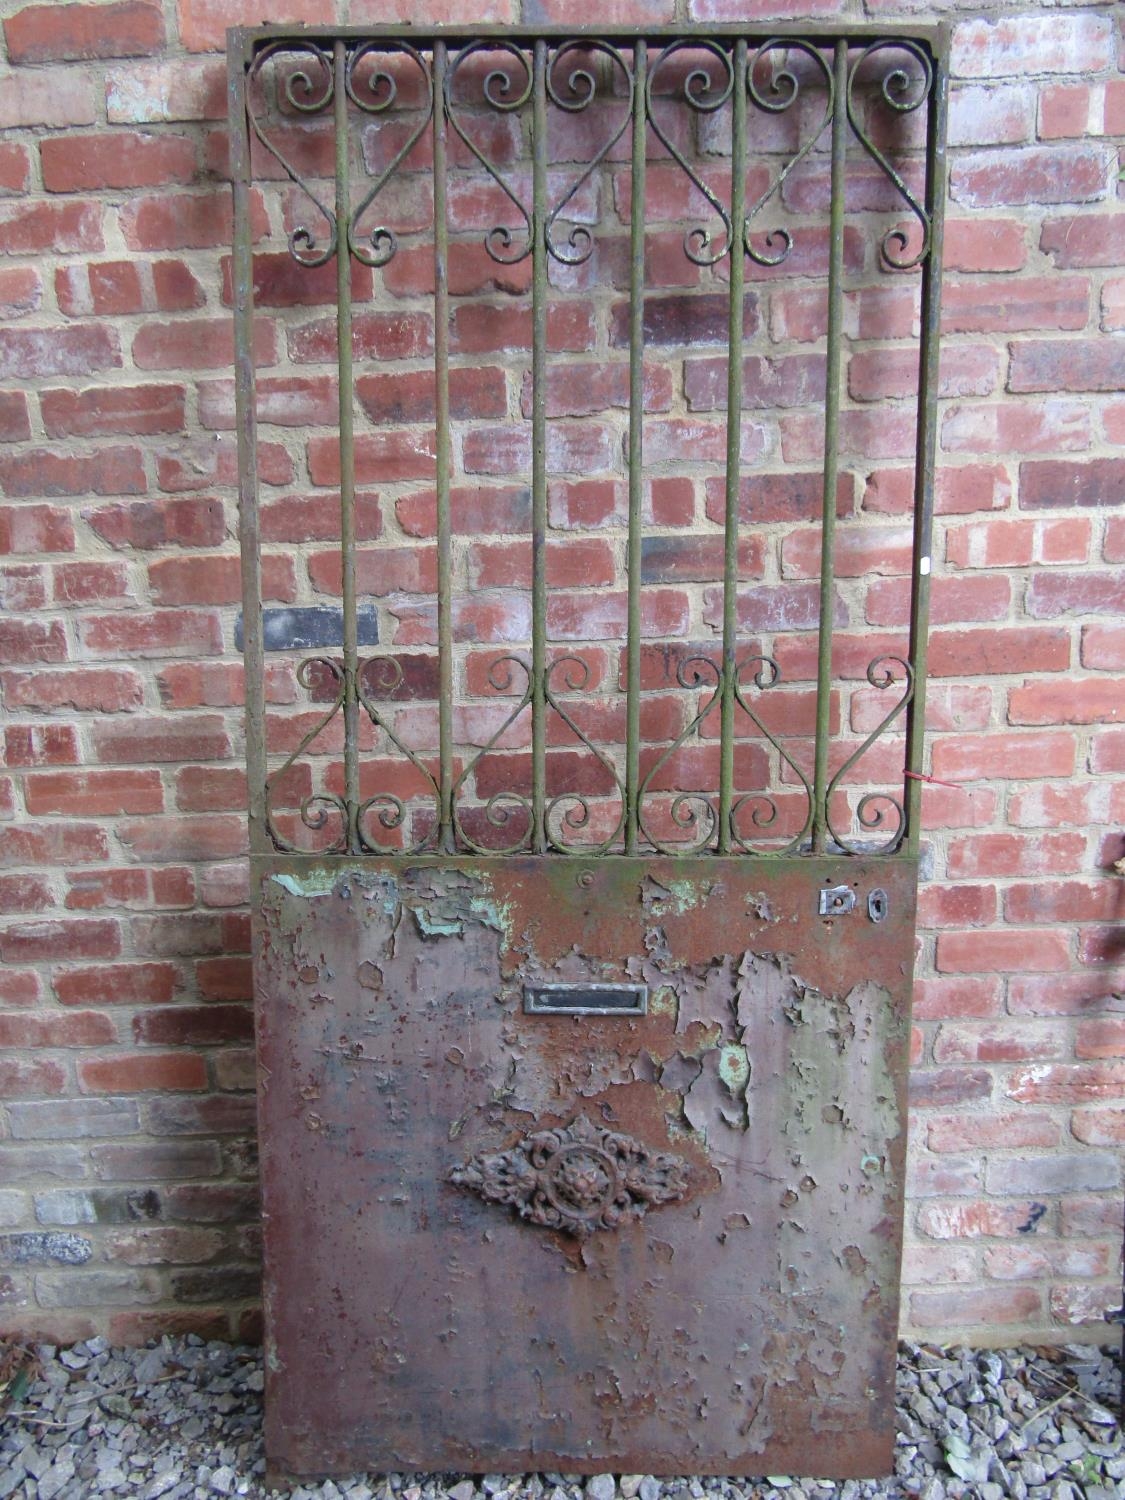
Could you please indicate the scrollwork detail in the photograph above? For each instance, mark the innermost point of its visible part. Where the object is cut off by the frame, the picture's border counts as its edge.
(903, 94)
(390, 810)
(503, 94)
(786, 85)
(872, 808)
(501, 807)
(306, 97)
(702, 95)
(688, 808)
(315, 809)
(383, 90)
(764, 813)
(576, 675)
(582, 87)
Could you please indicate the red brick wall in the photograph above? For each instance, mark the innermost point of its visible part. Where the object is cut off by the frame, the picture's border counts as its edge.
(126, 1149)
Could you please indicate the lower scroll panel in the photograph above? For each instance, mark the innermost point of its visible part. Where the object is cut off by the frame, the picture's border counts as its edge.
(582, 1166)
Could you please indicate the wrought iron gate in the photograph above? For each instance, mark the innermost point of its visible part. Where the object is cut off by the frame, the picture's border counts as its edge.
(583, 970)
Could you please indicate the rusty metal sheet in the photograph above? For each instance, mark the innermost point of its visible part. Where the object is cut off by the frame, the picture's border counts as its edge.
(657, 1240)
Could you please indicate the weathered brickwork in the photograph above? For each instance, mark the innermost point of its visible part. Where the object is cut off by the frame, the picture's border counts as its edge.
(127, 1177)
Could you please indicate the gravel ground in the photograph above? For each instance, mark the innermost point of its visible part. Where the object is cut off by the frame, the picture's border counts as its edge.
(183, 1419)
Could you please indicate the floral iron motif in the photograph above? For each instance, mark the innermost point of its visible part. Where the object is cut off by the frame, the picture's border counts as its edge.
(578, 1178)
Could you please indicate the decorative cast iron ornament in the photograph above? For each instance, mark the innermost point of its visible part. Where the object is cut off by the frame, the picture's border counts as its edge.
(578, 1178)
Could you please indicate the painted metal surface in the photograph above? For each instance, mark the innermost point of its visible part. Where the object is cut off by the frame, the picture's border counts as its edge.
(506, 1241)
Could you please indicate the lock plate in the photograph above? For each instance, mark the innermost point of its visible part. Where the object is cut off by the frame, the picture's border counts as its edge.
(835, 901)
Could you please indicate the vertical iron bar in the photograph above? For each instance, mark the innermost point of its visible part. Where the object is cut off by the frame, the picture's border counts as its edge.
(833, 374)
(253, 658)
(734, 442)
(347, 448)
(925, 453)
(441, 418)
(539, 452)
(636, 463)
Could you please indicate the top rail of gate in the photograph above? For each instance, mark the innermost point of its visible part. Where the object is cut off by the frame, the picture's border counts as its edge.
(350, 78)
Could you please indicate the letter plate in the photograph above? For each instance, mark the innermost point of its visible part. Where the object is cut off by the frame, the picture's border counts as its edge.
(586, 999)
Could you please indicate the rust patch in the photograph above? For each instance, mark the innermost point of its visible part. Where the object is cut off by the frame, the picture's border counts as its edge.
(750, 1306)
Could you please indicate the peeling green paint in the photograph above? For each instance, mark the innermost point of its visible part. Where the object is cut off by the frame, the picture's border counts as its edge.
(734, 1067)
(318, 882)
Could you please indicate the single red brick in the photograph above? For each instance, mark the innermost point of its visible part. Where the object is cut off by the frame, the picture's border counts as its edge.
(946, 997)
(102, 471)
(143, 1073)
(92, 583)
(21, 292)
(78, 1028)
(941, 1088)
(375, 336)
(74, 938)
(198, 344)
(94, 793)
(54, 843)
(192, 738)
(280, 281)
(1011, 46)
(24, 893)
(78, 349)
(1051, 427)
(116, 984)
(956, 906)
(998, 650)
(15, 168)
(952, 601)
(402, 454)
(1103, 647)
(203, 23)
(206, 462)
(881, 374)
(119, 159)
(31, 1077)
(78, 33)
(1067, 1083)
(23, 587)
(1099, 1127)
(1009, 305)
(186, 221)
(211, 789)
(968, 1132)
(26, 529)
(225, 978)
(1085, 239)
(216, 836)
(113, 410)
(165, 632)
(1066, 365)
(1050, 595)
(39, 745)
(978, 244)
(196, 1026)
(197, 522)
(1008, 951)
(1054, 484)
(1078, 700)
(996, 1042)
(1030, 175)
(38, 227)
(1023, 756)
(32, 640)
(210, 579)
(992, 855)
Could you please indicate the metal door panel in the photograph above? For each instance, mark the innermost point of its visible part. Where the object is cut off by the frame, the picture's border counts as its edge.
(413, 1323)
